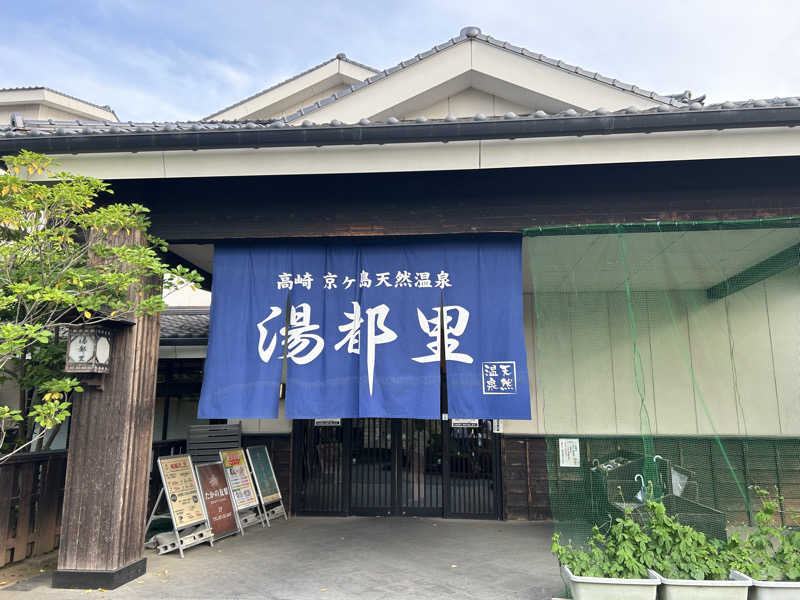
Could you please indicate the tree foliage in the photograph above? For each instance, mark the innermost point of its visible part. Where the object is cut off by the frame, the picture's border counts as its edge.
(67, 259)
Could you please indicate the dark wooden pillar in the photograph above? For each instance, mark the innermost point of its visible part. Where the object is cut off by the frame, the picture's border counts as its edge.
(108, 463)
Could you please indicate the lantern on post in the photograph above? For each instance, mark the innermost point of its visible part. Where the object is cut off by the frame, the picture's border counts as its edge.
(89, 349)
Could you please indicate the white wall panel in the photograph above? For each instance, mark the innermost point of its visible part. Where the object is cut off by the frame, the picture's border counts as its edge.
(747, 374)
(554, 364)
(593, 368)
(711, 360)
(672, 382)
(752, 353)
(783, 305)
(628, 386)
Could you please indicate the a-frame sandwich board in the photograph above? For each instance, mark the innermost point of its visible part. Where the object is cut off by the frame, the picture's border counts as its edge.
(184, 501)
(264, 475)
(240, 484)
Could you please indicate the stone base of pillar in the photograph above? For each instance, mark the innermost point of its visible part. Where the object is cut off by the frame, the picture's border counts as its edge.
(108, 580)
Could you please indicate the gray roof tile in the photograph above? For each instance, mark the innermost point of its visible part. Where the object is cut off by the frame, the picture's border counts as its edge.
(38, 128)
(184, 323)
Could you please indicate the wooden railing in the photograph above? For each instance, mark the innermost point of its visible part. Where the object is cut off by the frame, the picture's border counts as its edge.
(31, 494)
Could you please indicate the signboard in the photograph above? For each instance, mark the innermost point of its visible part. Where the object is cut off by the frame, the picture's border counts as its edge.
(497, 426)
(569, 452)
(217, 498)
(464, 423)
(240, 484)
(264, 475)
(180, 488)
(327, 422)
(361, 329)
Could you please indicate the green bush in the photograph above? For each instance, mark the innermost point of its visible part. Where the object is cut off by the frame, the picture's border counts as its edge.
(773, 551)
(677, 551)
(618, 553)
(662, 544)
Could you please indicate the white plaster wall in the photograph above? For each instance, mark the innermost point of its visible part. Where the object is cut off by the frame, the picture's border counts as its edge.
(270, 112)
(467, 104)
(57, 114)
(43, 111)
(186, 296)
(733, 362)
(436, 156)
(297, 92)
(279, 425)
(28, 111)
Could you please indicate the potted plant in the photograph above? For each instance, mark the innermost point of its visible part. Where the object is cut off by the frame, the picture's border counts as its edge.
(648, 545)
(689, 564)
(610, 566)
(771, 554)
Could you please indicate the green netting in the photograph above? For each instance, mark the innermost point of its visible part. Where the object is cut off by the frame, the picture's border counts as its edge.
(668, 355)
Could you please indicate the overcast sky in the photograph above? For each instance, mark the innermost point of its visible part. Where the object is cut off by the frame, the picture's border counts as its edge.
(181, 59)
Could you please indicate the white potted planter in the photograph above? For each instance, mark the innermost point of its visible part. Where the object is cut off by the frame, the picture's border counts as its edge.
(773, 590)
(607, 588)
(736, 587)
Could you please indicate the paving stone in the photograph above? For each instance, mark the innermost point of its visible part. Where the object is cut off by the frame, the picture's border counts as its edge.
(379, 558)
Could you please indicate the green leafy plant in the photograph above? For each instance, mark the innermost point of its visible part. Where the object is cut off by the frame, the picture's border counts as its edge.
(66, 259)
(679, 551)
(773, 550)
(618, 553)
(651, 539)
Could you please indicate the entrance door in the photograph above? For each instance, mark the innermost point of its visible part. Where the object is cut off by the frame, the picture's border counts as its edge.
(372, 485)
(419, 478)
(474, 482)
(321, 468)
(396, 467)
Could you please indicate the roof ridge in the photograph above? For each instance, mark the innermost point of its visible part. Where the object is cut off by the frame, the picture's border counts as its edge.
(345, 58)
(471, 33)
(49, 89)
(339, 56)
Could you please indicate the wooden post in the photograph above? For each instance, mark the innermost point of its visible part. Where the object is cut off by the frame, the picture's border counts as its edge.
(108, 464)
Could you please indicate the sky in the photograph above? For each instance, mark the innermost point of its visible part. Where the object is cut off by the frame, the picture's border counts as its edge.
(180, 59)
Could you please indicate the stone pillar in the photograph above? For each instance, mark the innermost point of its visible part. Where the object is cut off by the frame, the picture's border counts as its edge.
(108, 465)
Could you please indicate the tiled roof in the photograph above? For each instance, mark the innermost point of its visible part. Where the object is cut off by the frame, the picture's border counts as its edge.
(41, 87)
(340, 56)
(29, 127)
(78, 128)
(185, 324)
(474, 33)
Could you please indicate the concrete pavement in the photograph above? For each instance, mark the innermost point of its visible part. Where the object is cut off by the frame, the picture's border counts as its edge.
(369, 558)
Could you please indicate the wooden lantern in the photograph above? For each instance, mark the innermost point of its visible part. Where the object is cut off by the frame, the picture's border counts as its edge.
(89, 349)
